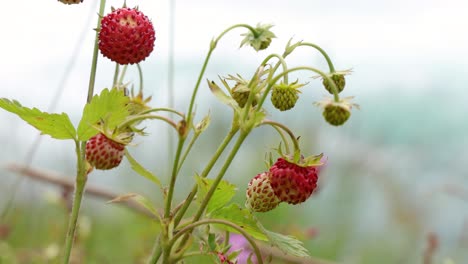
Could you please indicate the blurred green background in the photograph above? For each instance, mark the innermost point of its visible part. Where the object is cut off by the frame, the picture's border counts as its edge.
(396, 177)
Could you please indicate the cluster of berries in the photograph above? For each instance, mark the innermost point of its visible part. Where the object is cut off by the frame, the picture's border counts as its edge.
(285, 181)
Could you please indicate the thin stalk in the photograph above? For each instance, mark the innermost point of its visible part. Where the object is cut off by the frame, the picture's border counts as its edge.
(170, 193)
(81, 176)
(249, 238)
(156, 253)
(187, 150)
(243, 135)
(276, 78)
(281, 61)
(205, 173)
(122, 74)
(116, 75)
(283, 138)
(277, 125)
(205, 64)
(226, 238)
(92, 77)
(327, 58)
(144, 117)
(164, 109)
(140, 76)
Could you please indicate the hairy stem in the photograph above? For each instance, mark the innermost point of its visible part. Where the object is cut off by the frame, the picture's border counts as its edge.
(81, 176)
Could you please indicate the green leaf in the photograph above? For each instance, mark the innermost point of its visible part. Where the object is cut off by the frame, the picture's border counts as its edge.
(110, 106)
(288, 244)
(241, 217)
(139, 199)
(204, 123)
(222, 195)
(57, 126)
(138, 168)
(221, 95)
(212, 241)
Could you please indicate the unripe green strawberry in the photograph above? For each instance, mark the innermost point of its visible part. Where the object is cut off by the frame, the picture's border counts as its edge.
(292, 183)
(284, 96)
(340, 82)
(336, 114)
(260, 195)
(104, 153)
(71, 2)
(261, 40)
(240, 93)
(126, 36)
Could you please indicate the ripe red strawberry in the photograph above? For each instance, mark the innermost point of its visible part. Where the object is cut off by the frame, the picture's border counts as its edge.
(260, 195)
(104, 153)
(126, 36)
(292, 183)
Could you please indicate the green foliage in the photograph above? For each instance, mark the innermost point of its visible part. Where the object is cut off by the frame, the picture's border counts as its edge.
(138, 168)
(287, 244)
(223, 194)
(55, 125)
(109, 106)
(241, 217)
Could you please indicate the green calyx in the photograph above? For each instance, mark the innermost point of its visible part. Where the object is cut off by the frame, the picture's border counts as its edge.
(261, 40)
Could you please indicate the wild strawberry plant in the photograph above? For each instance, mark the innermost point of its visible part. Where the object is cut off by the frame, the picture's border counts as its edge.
(112, 118)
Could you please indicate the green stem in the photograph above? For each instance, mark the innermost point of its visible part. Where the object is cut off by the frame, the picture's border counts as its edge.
(79, 190)
(81, 176)
(164, 109)
(116, 74)
(283, 138)
(280, 62)
(226, 239)
(249, 238)
(329, 62)
(243, 135)
(276, 78)
(170, 193)
(137, 118)
(156, 253)
(205, 64)
(277, 125)
(122, 74)
(187, 150)
(92, 77)
(140, 76)
(205, 173)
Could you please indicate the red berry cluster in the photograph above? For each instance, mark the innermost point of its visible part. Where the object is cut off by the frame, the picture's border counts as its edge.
(284, 182)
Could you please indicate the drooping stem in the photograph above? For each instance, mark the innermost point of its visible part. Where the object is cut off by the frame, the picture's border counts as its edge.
(213, 44)
(277, 77)
(281, 61)
(81, 176)
(189, 228)
(164, 109)
(325, 55)
(232, 132)
(137, 118)
(277, 125)
(140, 76)
(80, 183)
